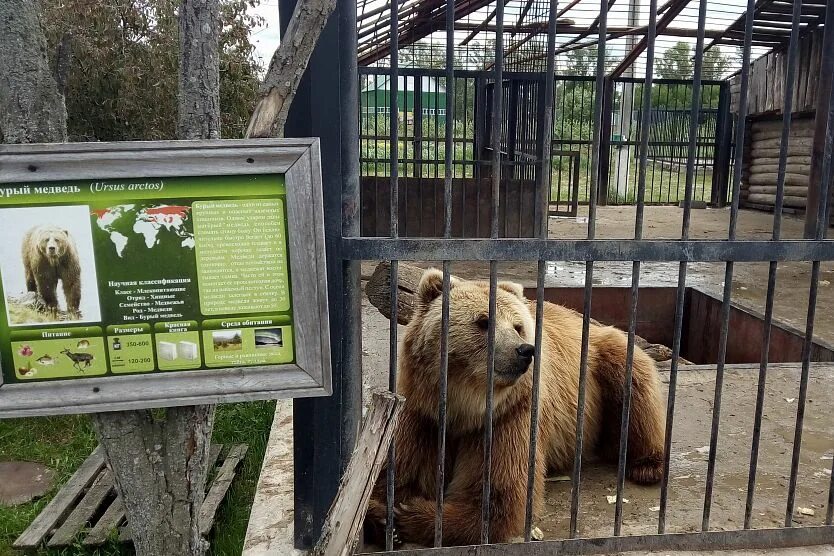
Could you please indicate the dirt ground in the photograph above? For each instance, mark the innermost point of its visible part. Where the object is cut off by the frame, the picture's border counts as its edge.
(695, 388)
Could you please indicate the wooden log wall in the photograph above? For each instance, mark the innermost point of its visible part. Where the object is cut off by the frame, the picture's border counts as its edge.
(766, 98)
(766, 90)
(761, 163)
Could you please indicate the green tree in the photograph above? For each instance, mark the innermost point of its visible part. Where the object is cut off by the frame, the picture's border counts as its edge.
(575, 97)
(583, 61)
(677, 63)
(123, 79)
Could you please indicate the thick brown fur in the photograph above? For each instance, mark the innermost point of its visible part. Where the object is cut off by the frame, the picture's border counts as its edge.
(49, 255)
(416, 437)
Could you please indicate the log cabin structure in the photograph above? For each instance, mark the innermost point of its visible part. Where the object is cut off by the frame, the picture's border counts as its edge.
(811, 91)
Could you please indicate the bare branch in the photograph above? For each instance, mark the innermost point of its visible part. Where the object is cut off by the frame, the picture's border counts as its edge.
(287, 67)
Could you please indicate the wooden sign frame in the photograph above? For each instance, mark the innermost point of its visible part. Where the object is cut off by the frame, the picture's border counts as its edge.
(298, 160)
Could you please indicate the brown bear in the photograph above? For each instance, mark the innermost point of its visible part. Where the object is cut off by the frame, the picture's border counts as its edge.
(49, 255)
(416, 436)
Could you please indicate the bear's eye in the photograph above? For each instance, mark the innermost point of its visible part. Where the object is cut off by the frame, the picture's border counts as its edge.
(483, 322)
(519, 329)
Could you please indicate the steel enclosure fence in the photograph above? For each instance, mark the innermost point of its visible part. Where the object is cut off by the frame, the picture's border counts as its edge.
(404, 151)
(422, 114)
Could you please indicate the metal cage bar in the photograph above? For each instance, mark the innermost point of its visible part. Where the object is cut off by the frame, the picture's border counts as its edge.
(635, 269)
(823, 216)
(447, 233)
(507, 148)
(787, 112)
(680, 296)
(394, 120)
(728, 272)
(497, 170)
(589, 271)
(542, 215)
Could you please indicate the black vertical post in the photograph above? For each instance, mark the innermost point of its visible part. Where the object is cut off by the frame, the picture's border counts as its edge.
(605, 140)
(543, 135)
(721, 155)
(325, 428)
(482, 142)
(512, 128)
(417, 109)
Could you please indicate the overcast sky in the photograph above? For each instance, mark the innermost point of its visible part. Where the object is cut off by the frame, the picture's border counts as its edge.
(266, 38)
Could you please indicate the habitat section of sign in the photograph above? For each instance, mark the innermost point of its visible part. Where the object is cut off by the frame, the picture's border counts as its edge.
(110, 277)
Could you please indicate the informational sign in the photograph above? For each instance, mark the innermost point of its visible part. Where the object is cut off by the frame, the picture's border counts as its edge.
(165, 274)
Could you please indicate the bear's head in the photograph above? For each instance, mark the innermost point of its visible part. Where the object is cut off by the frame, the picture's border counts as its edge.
(468, 339)
(53, 242)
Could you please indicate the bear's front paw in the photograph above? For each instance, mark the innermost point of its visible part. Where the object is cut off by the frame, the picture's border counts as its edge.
(375, 522)
(646, 471)
(414, 521)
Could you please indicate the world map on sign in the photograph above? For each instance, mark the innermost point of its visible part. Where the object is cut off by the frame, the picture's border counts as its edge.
(149, 224)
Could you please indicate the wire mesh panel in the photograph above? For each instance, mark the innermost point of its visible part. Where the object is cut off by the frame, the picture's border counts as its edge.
(442, 143)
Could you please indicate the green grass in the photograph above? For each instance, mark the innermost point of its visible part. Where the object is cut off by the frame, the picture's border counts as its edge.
(249, 423)
(63, 443)
(662, 185)
(20, 313)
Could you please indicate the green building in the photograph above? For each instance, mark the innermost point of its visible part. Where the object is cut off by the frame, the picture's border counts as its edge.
(425, 93)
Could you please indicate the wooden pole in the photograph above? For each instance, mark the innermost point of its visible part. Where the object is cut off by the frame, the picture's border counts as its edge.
(340, 532)
(824, 91)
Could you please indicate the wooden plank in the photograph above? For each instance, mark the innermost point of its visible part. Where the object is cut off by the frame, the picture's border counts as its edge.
(341, 528)
(112, 163)
(824, 90)
(220, 486)
(61, 503)
(131, 392)
(84, 511)
(107, 523)
(214, 453)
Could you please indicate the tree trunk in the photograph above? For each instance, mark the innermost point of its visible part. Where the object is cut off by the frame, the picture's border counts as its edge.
(199, 94)
(31, 108)
(159, 466)
(160, 462)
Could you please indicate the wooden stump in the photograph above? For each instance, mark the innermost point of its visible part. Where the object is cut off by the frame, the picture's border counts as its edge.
(378, 290)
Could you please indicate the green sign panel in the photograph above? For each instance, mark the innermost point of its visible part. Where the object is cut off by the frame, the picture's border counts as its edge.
(120, 277)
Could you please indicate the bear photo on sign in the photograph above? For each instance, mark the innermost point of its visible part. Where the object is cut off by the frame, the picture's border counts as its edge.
(48, 266)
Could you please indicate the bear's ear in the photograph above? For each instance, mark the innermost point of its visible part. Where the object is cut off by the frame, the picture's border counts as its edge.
(515, 289)
(431, 285)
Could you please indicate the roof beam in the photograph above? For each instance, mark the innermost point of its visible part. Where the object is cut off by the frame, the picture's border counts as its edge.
(638, 49)
(761, 5)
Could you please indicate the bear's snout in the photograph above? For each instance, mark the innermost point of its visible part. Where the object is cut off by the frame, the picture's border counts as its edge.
(516, 366)
(52, 247)
(526, 351)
